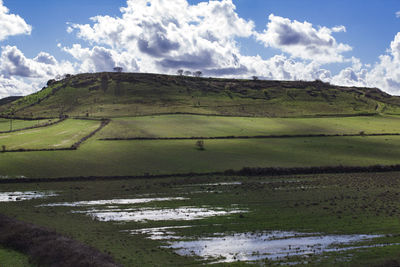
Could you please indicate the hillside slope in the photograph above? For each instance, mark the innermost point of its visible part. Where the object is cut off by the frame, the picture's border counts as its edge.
(132, 94)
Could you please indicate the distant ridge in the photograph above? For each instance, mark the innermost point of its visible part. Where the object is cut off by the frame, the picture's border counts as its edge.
(9, 99)
(137, 94)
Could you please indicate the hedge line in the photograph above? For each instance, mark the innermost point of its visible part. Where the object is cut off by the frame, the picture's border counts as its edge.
(48, 248)
(247, 171)
(247, 137)
(36, 126)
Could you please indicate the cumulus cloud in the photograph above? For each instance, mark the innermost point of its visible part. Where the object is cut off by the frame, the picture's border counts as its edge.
(160, 39)
(384, 74)
(15, 87)
(398, 14)
(11, 24)
(99, 59)
(302, 40)
(14, 63)
(20, 75)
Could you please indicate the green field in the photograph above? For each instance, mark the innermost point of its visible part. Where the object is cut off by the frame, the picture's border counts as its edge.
(211, 126)
(61, 135)
(165, 157)
(10, 258)
(132, 158)
(342, 204)
(21, 124)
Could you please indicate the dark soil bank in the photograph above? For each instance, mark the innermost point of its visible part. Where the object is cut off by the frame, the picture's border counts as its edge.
(48, 248)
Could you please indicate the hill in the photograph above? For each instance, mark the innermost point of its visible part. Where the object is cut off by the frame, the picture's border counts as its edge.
(134, 94)
(9, 99)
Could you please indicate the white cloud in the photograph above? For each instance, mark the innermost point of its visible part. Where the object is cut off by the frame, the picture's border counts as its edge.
(398, 14)
(302, 40)
(14, 63)
(20, 75)
(162, 36)
(14, 87)
(100, 59)
(11, 24)
(384, 74)
(340, 28)
(281, 67)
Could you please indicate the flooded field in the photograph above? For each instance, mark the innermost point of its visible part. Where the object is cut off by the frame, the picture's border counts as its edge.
(317, 220)
(21, 196)
(273, 246)
(112, 202)
(143, 215)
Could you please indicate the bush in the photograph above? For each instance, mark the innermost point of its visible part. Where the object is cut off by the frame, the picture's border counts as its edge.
(200, 145)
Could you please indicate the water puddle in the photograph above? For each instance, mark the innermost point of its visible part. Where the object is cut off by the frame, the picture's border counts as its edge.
(215, 184)
(272, 246)
(20, 196)
(160, 233)
(249, 247)
(157, 214)
(113, 202)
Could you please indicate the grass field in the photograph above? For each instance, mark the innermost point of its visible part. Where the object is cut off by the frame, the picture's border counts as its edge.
(322, 205)
(119, 158)
(21, 124)
(211, 126)
(61, 135)
(10, 258)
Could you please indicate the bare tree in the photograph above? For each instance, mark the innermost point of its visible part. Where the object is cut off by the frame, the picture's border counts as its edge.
(197, 73)
(180, 72)
(255, 78)
(118, 69)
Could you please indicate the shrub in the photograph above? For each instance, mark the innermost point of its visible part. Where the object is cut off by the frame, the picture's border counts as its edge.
(200, 145)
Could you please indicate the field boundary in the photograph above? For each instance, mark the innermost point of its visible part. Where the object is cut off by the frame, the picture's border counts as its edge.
(252, 116)
(245, 137)
(49, 248)
(34, 127)
(246, 171)
(75, 146)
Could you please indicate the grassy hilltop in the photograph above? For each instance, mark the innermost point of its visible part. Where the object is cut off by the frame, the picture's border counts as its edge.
(133, 94)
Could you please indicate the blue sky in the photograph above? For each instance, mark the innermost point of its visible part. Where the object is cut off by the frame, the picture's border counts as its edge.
(344, 42)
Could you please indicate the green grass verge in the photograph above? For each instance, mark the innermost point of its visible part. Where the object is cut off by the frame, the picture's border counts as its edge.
(10, 258)
(366, 203)
(21, 124)
(118, 158)
(211, 126)
(61, 135)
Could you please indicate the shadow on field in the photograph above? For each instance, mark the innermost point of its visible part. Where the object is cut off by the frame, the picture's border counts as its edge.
(48, 248)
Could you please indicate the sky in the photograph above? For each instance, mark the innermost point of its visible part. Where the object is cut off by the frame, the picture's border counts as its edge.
(351, 43)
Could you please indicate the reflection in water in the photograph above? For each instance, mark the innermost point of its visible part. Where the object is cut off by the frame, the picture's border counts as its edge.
(255, 246)
(157, 214)
(113, 202)
(20, 196)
